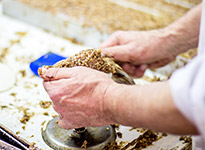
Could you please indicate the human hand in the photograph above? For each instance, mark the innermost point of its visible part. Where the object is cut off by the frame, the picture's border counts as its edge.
(138, 50)
(79, 96)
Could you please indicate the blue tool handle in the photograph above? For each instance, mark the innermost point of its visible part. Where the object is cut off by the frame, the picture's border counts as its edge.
(48, 59)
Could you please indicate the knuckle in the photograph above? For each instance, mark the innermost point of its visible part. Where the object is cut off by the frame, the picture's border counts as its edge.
(56, 72)
(119, 33)
(131, 53)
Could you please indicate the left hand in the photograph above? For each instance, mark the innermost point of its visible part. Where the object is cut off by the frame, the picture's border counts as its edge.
(79, 96)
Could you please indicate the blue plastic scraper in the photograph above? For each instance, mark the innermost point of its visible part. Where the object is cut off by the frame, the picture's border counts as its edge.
(48, 59)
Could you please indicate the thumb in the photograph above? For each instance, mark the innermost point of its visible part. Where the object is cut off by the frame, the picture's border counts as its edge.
(52, 74)
(64, 124)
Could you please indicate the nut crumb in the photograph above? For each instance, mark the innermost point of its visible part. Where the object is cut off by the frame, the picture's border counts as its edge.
(45, 104)
(46, 114)
(84, 145)
(119, 134)
(23, 73)
(23, 127)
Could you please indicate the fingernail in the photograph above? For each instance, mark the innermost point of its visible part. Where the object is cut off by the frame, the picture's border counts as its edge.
(107, 53)
(42, 70)
(143, 67)
(103, 45)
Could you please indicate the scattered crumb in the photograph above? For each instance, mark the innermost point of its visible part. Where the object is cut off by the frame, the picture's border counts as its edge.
(45, 104)
(164, 134)
(27, 86)
(142, 141)
(189, 54)
(13, 94)
(23, 73)
(23, 127)
(3, 54)
(21, 34)
(46, 114)
(12, 42)
(84, 145)
(3, 106)
(73, 40)
(116, 126)
(54, 116)
(62, 49)
(18, 132)
(154, 79)
(186, 139)
(43, 123)
(26, 115)
(32, 136)
(31, 146)
(113, 146)
(119, 134)
(132, 128)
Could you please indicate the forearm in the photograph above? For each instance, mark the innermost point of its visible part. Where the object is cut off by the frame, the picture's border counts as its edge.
(148, 106)
(185, 31)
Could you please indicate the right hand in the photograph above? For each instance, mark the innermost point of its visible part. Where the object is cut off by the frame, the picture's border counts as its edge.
(80, 96)
(138, 50)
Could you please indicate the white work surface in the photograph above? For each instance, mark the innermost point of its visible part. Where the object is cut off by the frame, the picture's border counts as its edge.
(29, 90)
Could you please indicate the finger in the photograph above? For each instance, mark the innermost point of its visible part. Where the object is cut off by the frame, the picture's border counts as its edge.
(55, 89)
(113, 40)
(119, 53)
(128, 68)
(139, 72)
(158, 64)
(134, 70)
(52, 74)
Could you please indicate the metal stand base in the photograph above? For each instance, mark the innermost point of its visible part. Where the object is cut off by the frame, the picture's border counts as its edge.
(93, 138)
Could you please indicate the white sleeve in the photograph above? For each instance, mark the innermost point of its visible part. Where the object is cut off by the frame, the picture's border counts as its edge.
(188, 91)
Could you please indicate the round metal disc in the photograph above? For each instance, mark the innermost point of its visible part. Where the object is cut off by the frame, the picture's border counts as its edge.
(61, 139)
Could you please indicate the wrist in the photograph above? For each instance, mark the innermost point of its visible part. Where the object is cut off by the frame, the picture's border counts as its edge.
(185, 31)
(174, 41)
(121, 104)
(110, 101)
(181, 39)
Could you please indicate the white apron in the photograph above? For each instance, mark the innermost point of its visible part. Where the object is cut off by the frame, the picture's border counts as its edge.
(188, 89)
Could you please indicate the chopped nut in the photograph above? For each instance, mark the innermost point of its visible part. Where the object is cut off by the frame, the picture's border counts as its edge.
(23, 127)
(45, 113)
(26, 115)
(23, 73)
(119, 134)
(21, 34)
(13, 94)
(84, 145)
(186, 139)
(89, 58)
(143, 140)
(45, 104)
(43, 123)
(31, 146)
